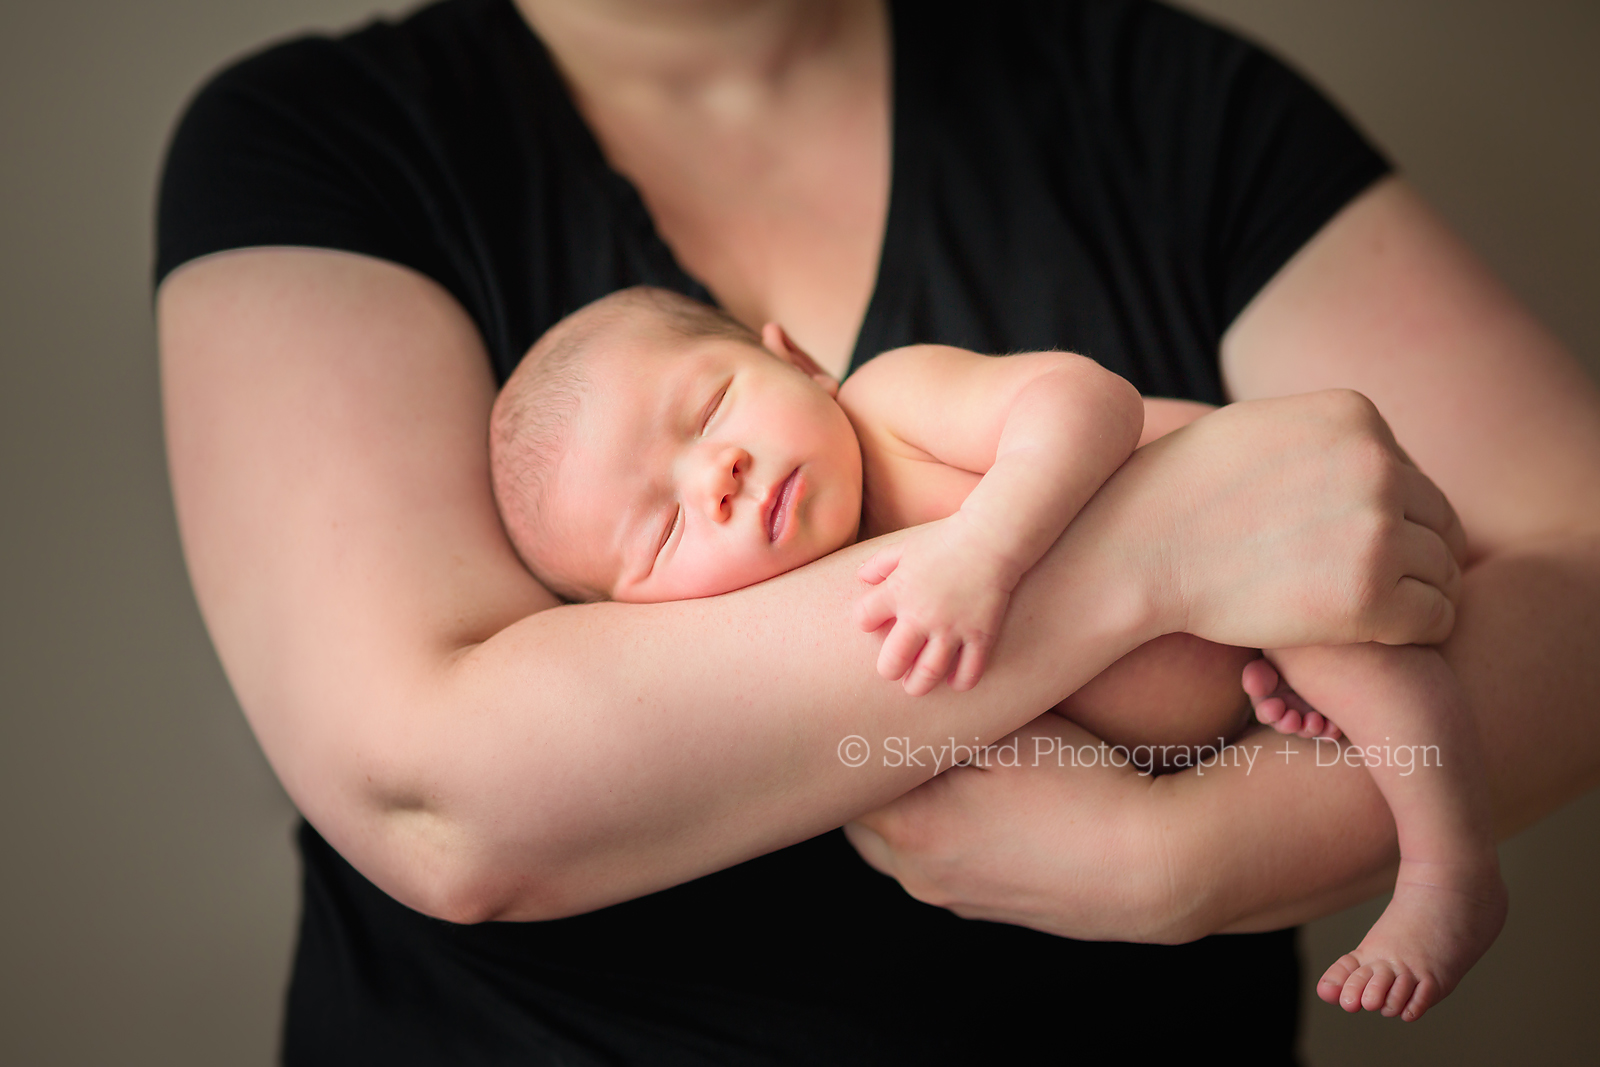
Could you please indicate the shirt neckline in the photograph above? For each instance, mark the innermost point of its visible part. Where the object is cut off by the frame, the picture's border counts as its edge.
(631, 206)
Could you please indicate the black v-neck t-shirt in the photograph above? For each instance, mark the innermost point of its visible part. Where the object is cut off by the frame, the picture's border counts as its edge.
(1104, 176)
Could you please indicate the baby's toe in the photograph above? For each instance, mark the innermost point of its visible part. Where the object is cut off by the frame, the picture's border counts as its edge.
(1259, 679)
(1405, 983)
(1334, 978)
(1354, 986)
(1376, 993)
(1269, 711)
(1426, 996)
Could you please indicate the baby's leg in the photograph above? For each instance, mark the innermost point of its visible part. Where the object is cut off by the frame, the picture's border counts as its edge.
(1407, 722)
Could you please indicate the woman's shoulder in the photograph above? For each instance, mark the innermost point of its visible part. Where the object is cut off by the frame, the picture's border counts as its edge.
(405, 139)
(451, 38)
(1116, 47)
(1093, 132)
(432, 66)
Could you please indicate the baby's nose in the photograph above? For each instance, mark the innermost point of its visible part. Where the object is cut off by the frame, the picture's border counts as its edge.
(722, 478)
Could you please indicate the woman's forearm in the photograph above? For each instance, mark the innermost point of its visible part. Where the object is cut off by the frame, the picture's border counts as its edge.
(600, 752)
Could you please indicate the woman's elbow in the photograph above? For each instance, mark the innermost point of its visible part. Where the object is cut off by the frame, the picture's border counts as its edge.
(434, 842)
(452, 870)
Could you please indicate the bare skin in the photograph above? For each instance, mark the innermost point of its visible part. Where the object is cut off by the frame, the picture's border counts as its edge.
(412, 709)
(326, 415)
(1449, 901)
(719, 463)
(1387, 300)
(757, 134)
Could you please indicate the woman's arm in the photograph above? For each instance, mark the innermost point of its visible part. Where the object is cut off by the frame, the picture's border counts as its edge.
(1385, 300)
(1505, 421)
(480, 752)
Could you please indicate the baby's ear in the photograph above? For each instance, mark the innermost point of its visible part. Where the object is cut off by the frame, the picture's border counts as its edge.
(780, 344)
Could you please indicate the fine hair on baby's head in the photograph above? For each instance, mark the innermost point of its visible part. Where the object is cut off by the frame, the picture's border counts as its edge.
(533, 416)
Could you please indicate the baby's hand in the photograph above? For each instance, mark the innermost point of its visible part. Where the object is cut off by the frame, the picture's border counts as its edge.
(947, 595)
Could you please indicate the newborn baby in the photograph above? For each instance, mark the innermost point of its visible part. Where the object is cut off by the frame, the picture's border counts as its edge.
(651, 448)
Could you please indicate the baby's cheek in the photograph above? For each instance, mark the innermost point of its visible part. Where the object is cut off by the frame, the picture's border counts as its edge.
(724, 572)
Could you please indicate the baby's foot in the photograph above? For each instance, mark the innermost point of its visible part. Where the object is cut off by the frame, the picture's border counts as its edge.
(1282, 708)
(1442, 919)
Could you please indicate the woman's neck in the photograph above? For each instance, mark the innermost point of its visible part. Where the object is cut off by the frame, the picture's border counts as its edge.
(730, 59)
(757, 135)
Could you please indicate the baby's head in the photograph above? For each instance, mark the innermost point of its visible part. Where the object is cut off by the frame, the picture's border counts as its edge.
(652, 448)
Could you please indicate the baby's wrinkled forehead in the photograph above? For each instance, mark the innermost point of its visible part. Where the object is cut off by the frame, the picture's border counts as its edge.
(630, 372)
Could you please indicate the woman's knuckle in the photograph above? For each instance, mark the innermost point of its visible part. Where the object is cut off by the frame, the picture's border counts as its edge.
(1352, 405)
(892, 825)
(1372, 465)
(924, 886)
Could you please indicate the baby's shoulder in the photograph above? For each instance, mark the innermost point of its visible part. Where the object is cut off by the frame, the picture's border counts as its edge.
(893, 378)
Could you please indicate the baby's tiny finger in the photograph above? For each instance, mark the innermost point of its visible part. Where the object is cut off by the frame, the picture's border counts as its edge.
(974, 657)
(880, 566)
(873, 610)
(931, 667)
(899, 652)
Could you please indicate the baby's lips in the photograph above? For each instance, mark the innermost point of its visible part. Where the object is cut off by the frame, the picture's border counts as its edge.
(777, 511)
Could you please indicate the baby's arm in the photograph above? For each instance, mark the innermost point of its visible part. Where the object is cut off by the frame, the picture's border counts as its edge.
(1044, 430)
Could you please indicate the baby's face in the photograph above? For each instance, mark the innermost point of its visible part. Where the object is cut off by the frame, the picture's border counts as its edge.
(701, 467)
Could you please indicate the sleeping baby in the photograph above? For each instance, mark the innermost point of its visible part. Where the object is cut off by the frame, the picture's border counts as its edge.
(651, 448)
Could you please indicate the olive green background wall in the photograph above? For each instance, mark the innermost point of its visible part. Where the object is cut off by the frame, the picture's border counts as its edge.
(147, 886)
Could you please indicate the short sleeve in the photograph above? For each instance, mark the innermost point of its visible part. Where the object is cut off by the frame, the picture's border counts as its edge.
(1286, 161)
(1253, 159)
(299, 145)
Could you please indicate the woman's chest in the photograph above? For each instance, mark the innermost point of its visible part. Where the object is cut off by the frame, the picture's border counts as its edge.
(780, 226)
(769, 182)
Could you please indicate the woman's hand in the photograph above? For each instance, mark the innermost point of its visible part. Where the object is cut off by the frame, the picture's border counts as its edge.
(1043, 831)
(1059, 832)
(1294, 521)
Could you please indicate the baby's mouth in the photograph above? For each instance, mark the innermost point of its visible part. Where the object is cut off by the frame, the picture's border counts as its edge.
(779, 510)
